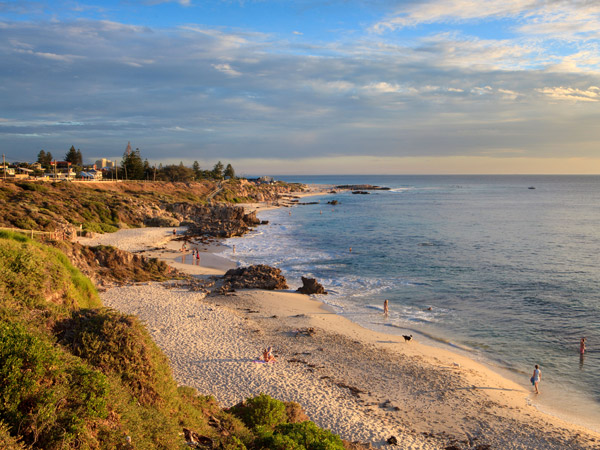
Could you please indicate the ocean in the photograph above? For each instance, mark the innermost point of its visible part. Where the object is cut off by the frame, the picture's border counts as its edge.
(482, 265)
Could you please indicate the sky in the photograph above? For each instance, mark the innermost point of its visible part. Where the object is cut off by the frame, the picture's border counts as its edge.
(306, 86)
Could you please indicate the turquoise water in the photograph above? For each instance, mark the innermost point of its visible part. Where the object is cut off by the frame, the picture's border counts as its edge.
(512, 275)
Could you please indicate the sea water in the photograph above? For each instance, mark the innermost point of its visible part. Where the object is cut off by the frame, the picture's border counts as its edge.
(484, 265)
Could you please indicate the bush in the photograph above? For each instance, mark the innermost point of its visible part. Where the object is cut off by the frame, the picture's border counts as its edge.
(38, 277)
(295, 413)
(119, 344)
(261, 412)
(8, 442)
(44, 395)
(36, 187)
(98, 227)
(308, 436)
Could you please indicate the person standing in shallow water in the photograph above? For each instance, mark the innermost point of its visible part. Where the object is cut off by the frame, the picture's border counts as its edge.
(582, 346)
(535, 379)
(385, 307)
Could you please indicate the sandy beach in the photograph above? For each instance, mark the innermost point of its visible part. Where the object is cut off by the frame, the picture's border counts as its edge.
(364, 386)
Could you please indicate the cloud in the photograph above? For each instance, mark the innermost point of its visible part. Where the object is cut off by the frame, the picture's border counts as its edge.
(227, 69)
(435, 11)
(200, 93)
(591, 94)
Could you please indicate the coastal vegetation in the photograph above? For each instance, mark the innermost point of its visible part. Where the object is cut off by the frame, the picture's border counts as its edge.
(77, 375)
(106, 207)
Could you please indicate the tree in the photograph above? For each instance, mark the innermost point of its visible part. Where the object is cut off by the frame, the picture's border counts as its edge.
(217, 171)
(71, 155)
(132, 165)
(229, 172)
(74, 157)
(44, 159)
(175, 172)
(147, 170)
(196, 169)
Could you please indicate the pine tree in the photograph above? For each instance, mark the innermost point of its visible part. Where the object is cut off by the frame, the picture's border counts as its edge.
(197, 171)
(229, 172)
(71, 155)
(133, 165)
(217, 171)
(42, 157)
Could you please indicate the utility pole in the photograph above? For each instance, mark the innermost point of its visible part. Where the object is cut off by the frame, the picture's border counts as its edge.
(4, 165)
(116, 172)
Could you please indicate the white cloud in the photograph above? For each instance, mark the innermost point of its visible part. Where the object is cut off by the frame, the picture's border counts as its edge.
(434, 11)
(48, 55)
(227, 69)
(591, 94)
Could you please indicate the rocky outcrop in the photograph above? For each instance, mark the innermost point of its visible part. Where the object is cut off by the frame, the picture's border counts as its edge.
(217, 221)
(362, 187)
(108, 265)
(254, 277)
(311, 286)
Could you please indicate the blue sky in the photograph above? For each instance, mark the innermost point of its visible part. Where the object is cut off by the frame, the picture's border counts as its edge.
(437, 86)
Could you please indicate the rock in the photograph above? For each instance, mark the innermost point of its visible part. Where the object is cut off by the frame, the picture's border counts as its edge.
(254, 277)
(311, 286)
(362, 187)
(392, 440)
(217, 221)
(332, 202)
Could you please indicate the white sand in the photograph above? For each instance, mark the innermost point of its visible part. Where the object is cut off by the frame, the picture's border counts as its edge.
(406, 389)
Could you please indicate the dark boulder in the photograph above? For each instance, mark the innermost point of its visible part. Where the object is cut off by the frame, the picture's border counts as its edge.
(255, 277)
(311, 286)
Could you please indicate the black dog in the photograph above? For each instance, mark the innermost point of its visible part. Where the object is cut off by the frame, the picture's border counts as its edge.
(407, 338)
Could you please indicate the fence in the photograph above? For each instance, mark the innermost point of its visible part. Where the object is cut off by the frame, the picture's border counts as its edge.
(53, 235)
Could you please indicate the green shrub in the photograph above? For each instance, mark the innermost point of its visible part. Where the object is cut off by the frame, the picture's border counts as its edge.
(97, 227)
(44, 394)
(119, 344)
(281, 442)
(261, 412)
(309, 436)
(36, 187)
(38, 277)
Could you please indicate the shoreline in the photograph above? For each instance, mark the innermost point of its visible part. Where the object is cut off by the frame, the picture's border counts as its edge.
(559, 399)
(457, 377)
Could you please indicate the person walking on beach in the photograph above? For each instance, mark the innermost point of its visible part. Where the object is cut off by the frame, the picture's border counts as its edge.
(385, 307)
(582, 346)
(535, 379)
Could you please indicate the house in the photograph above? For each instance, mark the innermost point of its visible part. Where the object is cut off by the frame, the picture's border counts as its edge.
(91, 175)
(9, 171)
(62, 170)
(266, 180)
